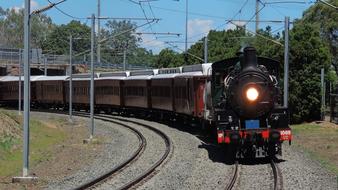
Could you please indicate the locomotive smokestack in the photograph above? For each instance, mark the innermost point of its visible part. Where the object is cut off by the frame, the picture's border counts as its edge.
(250, 58)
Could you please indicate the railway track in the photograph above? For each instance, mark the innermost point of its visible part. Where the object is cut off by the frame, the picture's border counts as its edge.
(234, 177)
(116, 169)
(104, 177)
(277, 177)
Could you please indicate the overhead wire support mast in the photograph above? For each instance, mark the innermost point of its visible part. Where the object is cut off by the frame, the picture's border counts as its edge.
(26, 119)
(186, 32)
(70, 79)
(92, 78)
(286, 63)
(98, 51)
(257, 15)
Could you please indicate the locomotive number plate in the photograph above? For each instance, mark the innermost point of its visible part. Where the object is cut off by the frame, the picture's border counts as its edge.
(252, 124)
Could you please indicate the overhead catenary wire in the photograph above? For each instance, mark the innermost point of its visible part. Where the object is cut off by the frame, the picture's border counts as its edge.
(192, 55)
(145, 15)
(69, 15)
(259, 35)
(223, 24)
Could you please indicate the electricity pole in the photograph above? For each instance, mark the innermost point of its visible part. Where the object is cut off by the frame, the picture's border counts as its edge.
(98, 52)
(26, 87)
(26, 23)
(124, 59)
(186, 32)
(206, 49)
(20, 60)
(92, 78)
(45, 65)
(322, 110)
(286, 63)
(70, 80)
(257, 15)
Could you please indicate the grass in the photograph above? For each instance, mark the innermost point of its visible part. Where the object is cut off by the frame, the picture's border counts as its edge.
(320, 142)
(42, 138)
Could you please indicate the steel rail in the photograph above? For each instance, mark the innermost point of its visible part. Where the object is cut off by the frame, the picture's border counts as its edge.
(118, 168)
(94, 182)
(234, 177)
(277, 176)
(139, 178)
(154, 166)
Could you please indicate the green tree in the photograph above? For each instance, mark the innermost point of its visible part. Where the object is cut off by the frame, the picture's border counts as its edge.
(268, 48)
(325, 18)
(221, 45)
(57, 41)
(119, 36)
(308, 54)
(140, 56)
(168, 58)
(11, 30)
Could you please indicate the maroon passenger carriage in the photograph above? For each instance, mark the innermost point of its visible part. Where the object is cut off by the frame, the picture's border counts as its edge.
(109, 91)
(50, 91)
(81, 91)
(189, 89)
(162, 93)
(9, 88)
(137, 90)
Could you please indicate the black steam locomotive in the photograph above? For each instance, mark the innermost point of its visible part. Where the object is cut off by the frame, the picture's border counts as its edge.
(245, 105)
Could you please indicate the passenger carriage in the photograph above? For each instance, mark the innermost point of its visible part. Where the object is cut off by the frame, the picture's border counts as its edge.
(109, 91)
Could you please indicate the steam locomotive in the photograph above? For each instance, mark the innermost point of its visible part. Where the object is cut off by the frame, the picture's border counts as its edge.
(237, 98)
(246, 104)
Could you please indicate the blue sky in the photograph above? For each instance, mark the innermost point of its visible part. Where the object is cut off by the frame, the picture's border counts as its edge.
(203, 15)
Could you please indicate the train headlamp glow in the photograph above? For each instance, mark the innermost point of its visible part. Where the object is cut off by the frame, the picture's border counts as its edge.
(252, 94)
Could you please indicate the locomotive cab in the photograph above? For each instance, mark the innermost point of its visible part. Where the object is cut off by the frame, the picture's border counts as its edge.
(246, 104)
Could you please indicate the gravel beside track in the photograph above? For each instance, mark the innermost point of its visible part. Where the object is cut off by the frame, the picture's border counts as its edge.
(119, 144)
(193, 164)
(300, 172)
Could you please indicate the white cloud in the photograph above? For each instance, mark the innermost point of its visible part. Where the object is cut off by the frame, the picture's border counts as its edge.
(199, 27)
(149, 42)
(234, 24)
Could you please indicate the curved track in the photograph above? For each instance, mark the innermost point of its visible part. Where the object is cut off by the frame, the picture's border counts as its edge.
(146, 173)
(277, 177)
(119, 167)
(108, 118)
(234, 177)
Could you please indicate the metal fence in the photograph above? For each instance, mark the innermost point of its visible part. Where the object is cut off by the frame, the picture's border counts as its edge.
(10, 56)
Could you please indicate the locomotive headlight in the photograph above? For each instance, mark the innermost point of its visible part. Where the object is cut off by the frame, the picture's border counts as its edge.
(252, 94)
